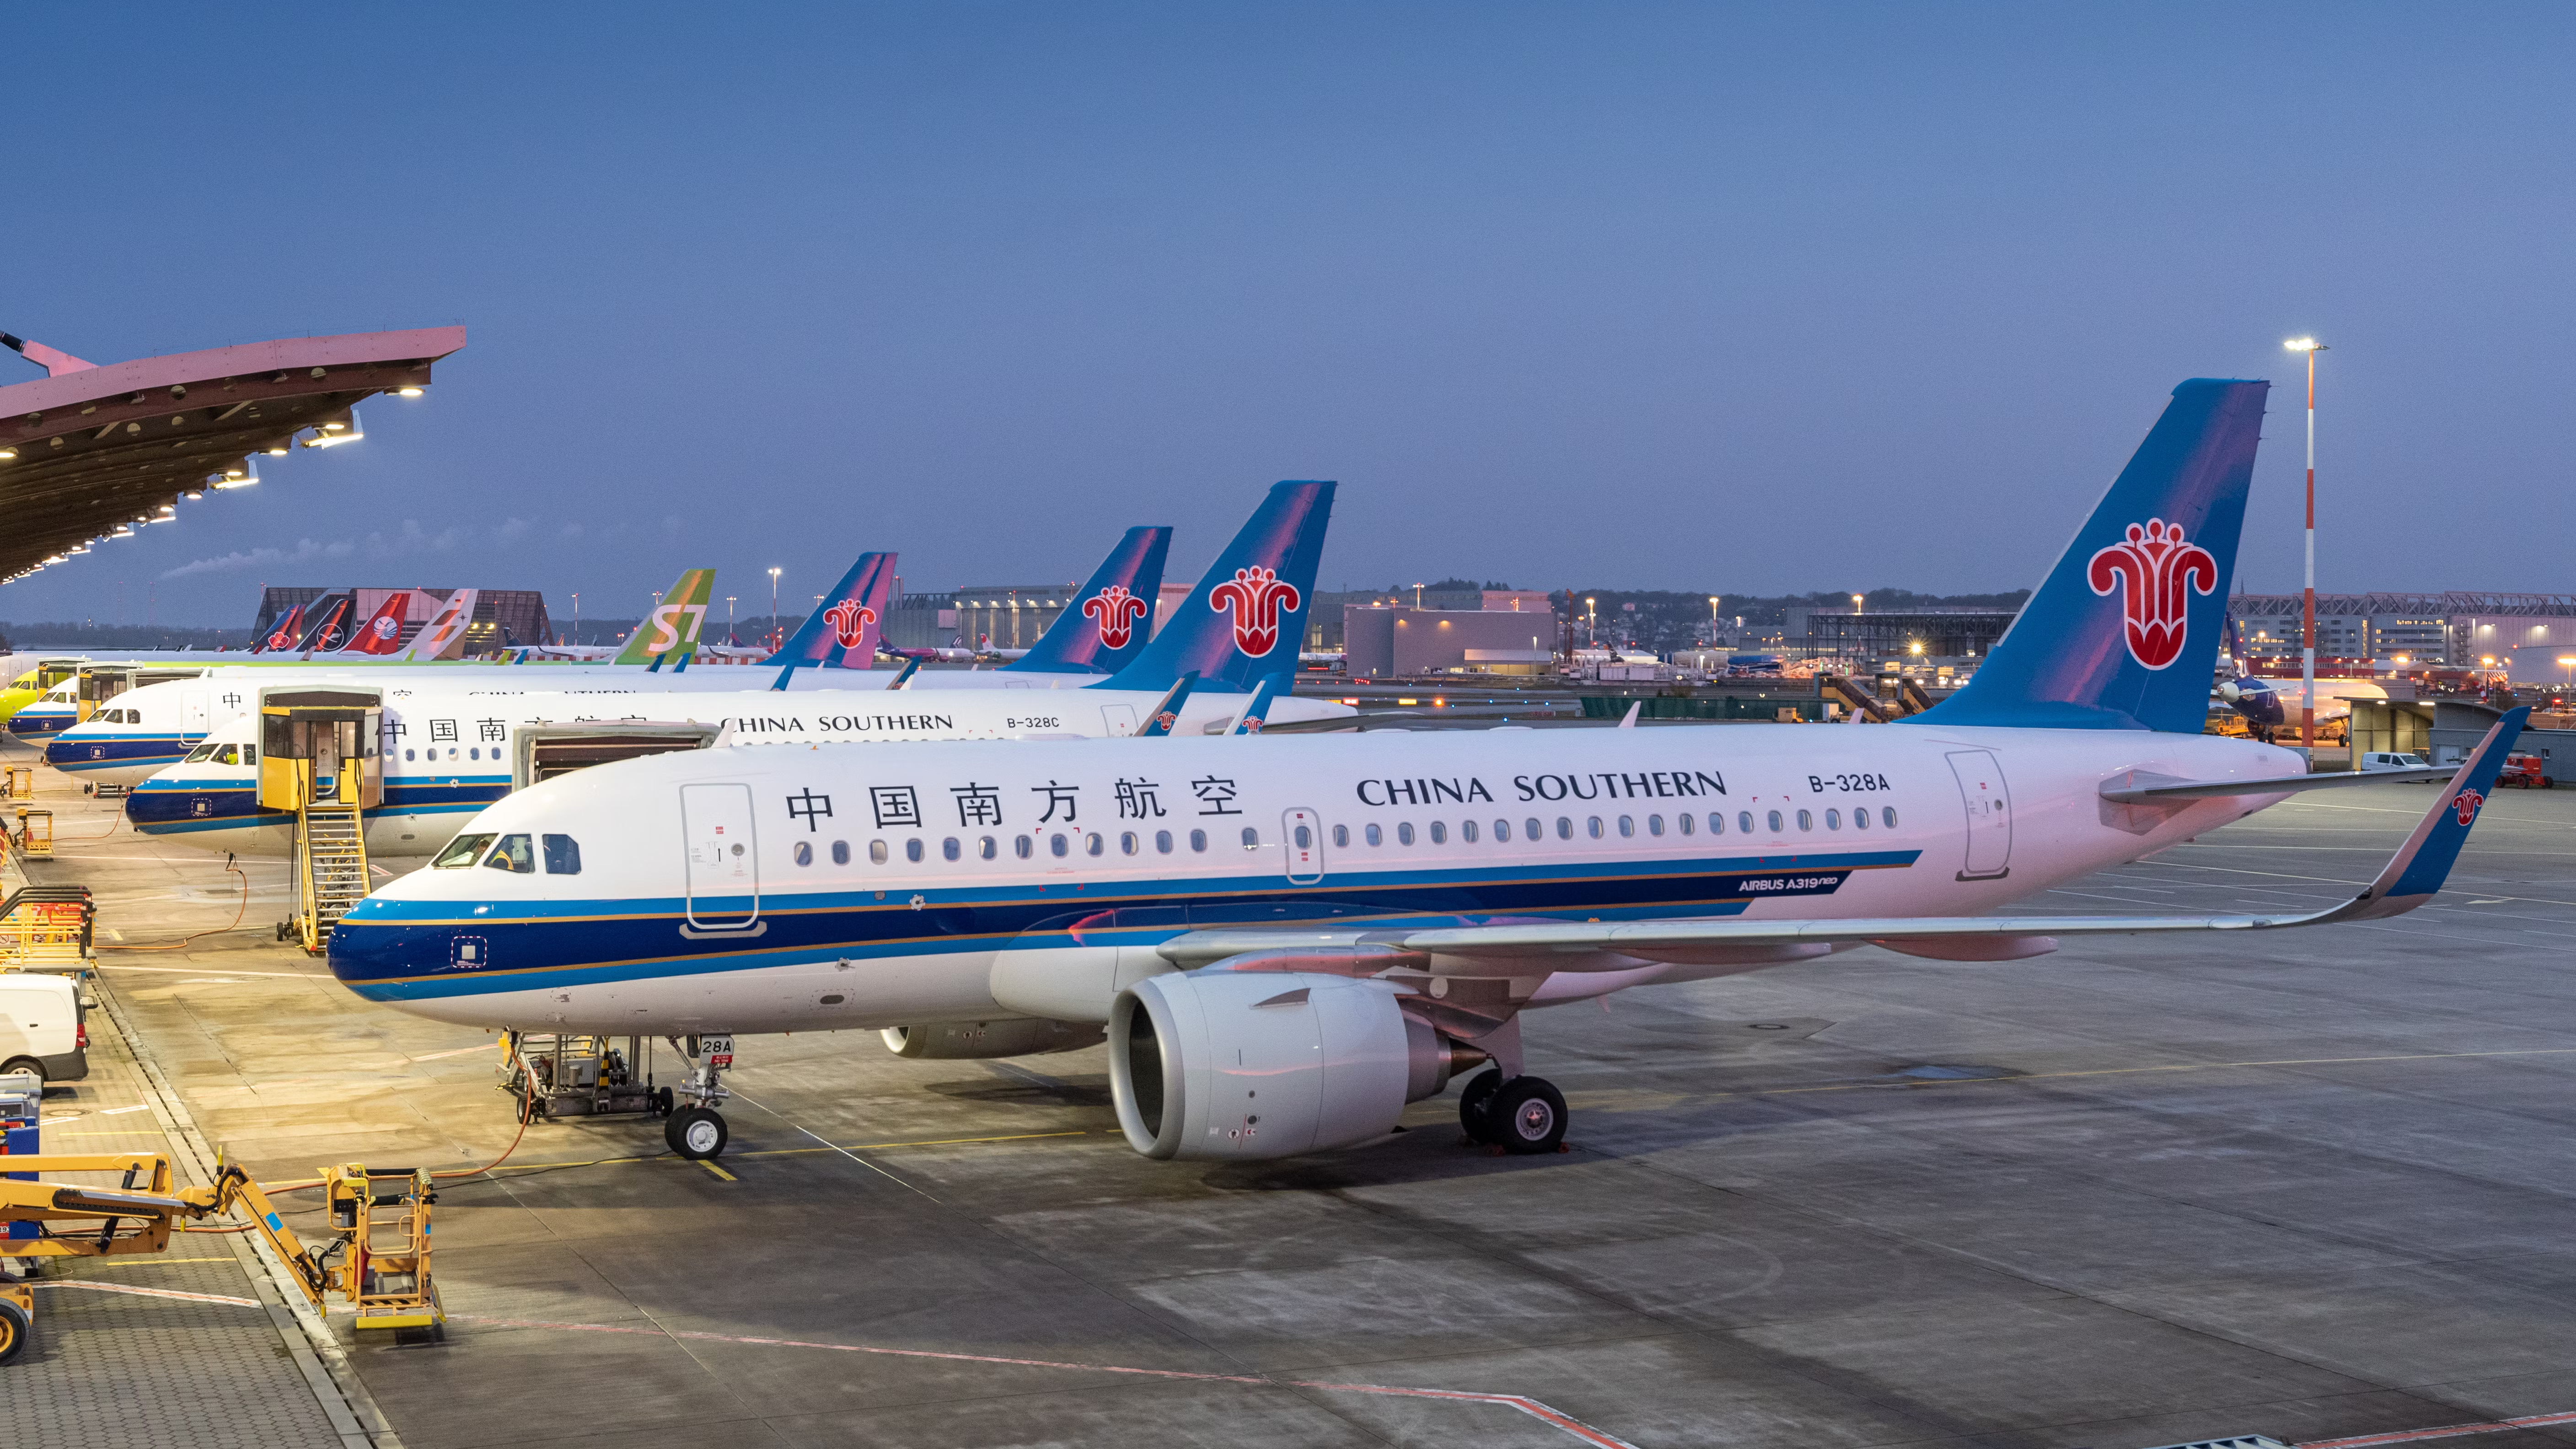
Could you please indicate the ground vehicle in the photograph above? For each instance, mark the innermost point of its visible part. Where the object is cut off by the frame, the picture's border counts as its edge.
(2523, 771)
(41, 1027)
(2389, 760)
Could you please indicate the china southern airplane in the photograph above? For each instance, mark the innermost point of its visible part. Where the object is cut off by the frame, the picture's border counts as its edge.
(1283, 943)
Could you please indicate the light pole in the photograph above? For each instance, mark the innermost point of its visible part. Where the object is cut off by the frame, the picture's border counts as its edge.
(728, 618)
(1591, 621)
(2565, 662)
(2308, 607)
(773, 604)
(576, 618)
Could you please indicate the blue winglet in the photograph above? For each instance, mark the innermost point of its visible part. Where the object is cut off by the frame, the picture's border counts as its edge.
(2420, 867)
(1257, 712)
(902, 677)
(1168, 713)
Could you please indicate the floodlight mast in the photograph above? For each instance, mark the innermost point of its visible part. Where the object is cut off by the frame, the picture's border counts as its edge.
(2308, 606)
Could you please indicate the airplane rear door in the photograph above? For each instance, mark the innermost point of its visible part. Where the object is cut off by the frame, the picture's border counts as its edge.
(1303, 837)
(1988, 803)
(1121, 719)
(724, 859)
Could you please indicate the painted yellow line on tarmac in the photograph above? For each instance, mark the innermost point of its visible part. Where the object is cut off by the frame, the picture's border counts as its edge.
(718, 1171)
(149, 1262)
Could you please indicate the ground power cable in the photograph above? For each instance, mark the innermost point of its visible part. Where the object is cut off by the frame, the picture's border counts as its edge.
(183, 941)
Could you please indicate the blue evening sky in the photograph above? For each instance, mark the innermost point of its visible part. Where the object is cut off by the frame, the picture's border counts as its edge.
(1697, 297)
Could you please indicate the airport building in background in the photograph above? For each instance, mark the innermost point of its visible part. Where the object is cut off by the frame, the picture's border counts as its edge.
(1511, 631)
(2525, 634)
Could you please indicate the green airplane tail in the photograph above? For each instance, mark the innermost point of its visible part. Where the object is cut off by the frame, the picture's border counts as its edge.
(672, 628)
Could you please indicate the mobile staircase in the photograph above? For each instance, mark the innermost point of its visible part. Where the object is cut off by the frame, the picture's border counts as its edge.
(319, 761)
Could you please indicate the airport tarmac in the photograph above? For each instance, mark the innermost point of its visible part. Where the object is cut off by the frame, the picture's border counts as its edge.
(2315, 1186)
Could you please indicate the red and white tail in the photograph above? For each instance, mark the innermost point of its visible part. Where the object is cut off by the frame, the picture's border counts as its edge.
(444, 636)
(382, 634)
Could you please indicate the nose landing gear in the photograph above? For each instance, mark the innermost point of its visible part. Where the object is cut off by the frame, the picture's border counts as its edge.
(694, 1128)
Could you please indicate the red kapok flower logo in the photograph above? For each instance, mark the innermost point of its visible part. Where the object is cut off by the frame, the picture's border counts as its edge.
(1117, 612)
(849, 620)
(1258, 598)
(2466, 805)
(2156, 571)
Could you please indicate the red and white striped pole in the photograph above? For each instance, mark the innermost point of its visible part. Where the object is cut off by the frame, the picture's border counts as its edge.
(2308, 609)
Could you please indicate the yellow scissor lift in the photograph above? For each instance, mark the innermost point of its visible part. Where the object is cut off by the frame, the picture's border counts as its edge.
(318, 758)
(383, 1265)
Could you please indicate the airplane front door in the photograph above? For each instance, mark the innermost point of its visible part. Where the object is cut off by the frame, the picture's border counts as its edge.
(724, 859)
(1988, 803)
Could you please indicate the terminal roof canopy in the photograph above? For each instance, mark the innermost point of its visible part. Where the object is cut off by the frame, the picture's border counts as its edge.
(85, 451)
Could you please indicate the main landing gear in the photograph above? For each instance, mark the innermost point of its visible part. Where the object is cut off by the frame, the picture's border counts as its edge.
(695, 1129)
(1523, 1115)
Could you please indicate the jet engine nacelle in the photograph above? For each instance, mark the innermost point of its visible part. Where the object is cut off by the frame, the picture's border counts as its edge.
(1256, 1064)
(970, 1040)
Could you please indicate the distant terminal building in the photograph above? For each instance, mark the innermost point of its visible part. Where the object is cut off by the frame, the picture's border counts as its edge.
(980, 616)
(1383, 640)
(2524, 633)
(1324, 619)
(503, 618)
(1872, 636)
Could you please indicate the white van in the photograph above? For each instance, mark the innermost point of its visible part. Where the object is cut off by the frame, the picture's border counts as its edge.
(41, 1027)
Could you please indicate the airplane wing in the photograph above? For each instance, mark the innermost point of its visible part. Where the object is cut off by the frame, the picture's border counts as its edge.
(2411, 877)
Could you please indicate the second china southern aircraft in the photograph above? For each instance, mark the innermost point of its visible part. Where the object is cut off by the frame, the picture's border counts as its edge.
(1286, 941)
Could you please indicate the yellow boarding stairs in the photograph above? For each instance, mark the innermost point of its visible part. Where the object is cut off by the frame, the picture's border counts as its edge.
(319, 759)
(379, 1221)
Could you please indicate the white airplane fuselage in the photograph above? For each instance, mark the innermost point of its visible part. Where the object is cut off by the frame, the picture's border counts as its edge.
(831, 887)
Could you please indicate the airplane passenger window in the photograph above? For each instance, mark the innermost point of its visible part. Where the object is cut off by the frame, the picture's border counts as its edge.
(1627, 826)
(1163, 842)
(912, 850)
(475, 753)
(1887, 817)
(949, 849)
(1341, 835)
(1654, 825)
(1595, 827)
(840, 852)
(1806, 821)
(1404, 833)
(1744, 821)
(1467, 831)
(804, 852)
(1198, 841)
(1565, 828)
(1439, 833)
(563, 855)
(1092, 843)
(1502, 830)
(1833, 820)
(1687, 825)
(513, 854)
(1775, 822)
(460, 852)
(1305, 838)
(1251, 838)
(407, 754)
(1373, 835)
(1056, 845)
(1023, 847)
(1530, 830)
(987, 848)
(1127, 842)
(876, 852)
(1860, 819)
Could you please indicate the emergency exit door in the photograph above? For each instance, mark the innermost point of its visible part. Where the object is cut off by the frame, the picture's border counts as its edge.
(1302, 835)
(724, 859)
(1988, 803)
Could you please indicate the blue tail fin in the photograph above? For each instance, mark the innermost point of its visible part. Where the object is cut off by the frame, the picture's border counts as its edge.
(1159, 722)
(2124, 632)
(1108, 623)
(1248, 614)
(1256, 711)
(842, 632)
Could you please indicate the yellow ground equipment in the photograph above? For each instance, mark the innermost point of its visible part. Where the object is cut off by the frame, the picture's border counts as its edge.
(378, 1257)
(35, 833)
(46, 928)
(18, 782)
(318, 759)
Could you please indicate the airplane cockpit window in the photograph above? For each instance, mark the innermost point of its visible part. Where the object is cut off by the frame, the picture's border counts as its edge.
(514, 854)
(563, 855)
(230, 754)
(201, 753)
(460, 852)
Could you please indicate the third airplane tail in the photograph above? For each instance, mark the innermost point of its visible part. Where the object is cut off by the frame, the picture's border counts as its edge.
(2123, 633)
(1106, 626)
(844, 632)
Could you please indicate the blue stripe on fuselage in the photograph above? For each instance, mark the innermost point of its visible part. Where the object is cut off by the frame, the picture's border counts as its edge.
(395, 950)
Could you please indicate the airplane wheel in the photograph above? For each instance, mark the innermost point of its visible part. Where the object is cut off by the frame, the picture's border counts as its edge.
(695, 1133)
(1472, 1102)
(15, 1326)
(662, 1102)
(1527, 1116)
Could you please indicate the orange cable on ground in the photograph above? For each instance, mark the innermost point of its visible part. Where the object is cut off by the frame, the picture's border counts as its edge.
(184, 940)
